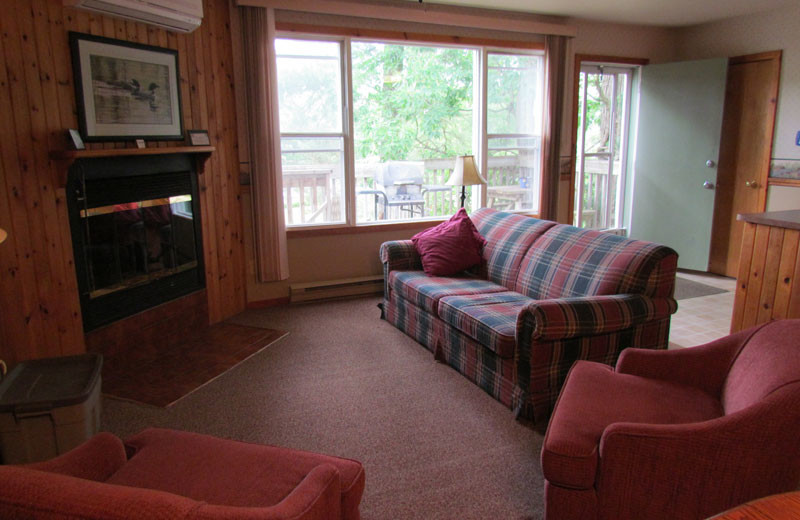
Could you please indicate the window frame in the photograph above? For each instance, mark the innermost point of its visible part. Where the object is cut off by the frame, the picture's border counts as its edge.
(345, 37)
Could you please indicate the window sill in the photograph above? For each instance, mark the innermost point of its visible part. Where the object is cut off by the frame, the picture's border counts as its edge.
(362, 228)
(341, 229)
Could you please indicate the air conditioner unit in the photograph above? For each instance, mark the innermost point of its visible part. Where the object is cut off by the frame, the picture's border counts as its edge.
(173, 15)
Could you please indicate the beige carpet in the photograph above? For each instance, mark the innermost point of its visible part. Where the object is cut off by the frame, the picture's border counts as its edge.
(344, 382)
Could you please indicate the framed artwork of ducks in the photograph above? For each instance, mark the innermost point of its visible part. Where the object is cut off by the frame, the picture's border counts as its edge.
(124, 90)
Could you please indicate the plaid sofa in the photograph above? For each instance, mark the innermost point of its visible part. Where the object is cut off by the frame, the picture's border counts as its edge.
(546, 295)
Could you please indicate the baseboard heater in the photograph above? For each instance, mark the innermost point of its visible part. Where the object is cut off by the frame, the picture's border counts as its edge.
(332, 289)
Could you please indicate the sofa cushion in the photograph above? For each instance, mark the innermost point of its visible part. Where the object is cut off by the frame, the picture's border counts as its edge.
(568, 261)
(490, 319)
(450, 247)
(508, 237)
(569, 453)
(426, 291)
(225, 472)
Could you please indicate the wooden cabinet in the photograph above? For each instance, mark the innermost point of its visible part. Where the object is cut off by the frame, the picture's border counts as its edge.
(768, 283)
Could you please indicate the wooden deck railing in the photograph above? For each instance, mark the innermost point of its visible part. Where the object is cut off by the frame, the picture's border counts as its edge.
(599, 187)
(313, 193)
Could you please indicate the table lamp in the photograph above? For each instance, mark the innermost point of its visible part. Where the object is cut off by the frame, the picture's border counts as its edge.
(465, 174)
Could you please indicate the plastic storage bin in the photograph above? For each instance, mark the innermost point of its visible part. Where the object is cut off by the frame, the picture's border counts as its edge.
(49, 406)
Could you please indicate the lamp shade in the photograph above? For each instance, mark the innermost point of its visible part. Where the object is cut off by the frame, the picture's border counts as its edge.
(465, 173)
(3, 235)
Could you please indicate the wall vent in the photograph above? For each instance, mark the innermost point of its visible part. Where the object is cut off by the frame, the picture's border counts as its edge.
(331, 289)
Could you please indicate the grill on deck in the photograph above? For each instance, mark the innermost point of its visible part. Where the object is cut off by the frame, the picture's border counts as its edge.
(400, 184)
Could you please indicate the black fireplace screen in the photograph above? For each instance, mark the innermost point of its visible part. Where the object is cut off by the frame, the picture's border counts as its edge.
(135, 243)
(136, 234)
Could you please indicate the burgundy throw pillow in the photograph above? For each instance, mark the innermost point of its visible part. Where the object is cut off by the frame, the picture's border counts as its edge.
(450, 247)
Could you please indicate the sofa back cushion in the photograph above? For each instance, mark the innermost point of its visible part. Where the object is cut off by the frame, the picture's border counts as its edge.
(568, 262)
(508, 237)
(768, 361)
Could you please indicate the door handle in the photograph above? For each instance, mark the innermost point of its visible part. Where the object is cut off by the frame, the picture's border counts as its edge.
(751, 184)
(708, 185)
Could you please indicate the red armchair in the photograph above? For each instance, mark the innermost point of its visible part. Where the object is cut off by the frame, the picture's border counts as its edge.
(171, 474)
(679, 434)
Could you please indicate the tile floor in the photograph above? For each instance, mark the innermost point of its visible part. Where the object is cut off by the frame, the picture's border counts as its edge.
(706, 318)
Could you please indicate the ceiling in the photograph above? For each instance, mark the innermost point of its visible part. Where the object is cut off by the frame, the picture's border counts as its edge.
(643, 12)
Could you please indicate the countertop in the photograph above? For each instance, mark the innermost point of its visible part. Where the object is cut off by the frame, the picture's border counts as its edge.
(786, 219)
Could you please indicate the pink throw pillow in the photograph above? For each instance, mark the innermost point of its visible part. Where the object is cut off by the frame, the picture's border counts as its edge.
(450, 247)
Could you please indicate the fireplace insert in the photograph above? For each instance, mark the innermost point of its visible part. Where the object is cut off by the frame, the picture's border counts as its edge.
(136, 233)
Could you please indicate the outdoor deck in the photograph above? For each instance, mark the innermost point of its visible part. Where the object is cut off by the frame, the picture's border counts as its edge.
(314, 194)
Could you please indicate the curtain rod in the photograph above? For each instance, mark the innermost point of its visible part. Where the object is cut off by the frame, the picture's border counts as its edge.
(421, 13)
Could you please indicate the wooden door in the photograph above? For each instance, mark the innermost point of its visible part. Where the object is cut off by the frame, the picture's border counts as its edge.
(748, 121)
(677, 149)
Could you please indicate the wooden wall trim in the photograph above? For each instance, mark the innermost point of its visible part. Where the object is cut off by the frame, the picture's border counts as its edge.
(424, 13)
(403, 36)
(776, 181)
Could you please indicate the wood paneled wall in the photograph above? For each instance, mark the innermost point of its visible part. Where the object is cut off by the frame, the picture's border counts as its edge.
(768, 284)
(39, 306)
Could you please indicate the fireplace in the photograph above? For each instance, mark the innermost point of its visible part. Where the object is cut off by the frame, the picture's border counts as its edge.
(136, 234)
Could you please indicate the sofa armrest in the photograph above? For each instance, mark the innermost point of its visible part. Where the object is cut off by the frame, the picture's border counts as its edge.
(704, 367)
(96, 459)
(316, 497)
(700, 468)
(400, 255)
(562, 318)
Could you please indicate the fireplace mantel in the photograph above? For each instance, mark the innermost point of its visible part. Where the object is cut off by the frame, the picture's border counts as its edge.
(66, 157)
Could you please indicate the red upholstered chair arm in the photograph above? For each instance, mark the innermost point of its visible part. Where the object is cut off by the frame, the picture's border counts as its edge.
(96, 459)
(27, 493)
(317, 497)
(690, 462)
(704, 367)
(561, 318)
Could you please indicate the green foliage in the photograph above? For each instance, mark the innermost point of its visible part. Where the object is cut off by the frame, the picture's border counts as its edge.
(510, 106)
(411, 102)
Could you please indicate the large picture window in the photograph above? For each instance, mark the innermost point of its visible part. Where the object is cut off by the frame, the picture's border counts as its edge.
(370, 130)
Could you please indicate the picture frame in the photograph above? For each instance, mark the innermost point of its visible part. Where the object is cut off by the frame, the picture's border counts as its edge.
(75, 139)
(198, 137)
(125, 91)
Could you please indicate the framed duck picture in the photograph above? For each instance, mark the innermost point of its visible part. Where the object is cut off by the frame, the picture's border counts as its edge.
(125, 90)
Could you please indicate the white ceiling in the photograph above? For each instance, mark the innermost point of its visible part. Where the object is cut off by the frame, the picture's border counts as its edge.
(643, 12)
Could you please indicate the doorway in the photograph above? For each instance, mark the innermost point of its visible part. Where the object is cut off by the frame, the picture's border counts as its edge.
(603, 92)
(751, 94)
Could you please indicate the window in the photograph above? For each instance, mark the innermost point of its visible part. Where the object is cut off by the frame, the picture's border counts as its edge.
(514, 122)
(415, 108)
(604, 94)
(312, 131)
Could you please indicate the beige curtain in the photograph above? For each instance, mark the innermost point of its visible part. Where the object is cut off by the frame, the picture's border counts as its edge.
(261, 91)
(555, 70)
